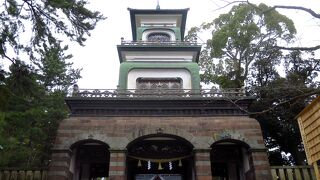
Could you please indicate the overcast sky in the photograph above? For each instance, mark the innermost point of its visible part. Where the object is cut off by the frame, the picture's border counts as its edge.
(99, 58)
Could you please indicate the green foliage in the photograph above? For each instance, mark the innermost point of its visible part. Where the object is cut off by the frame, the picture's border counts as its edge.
(32, 26)
(279, 101)
(239, 38)
(54, 71)
(301, 70)
(243, 53)
(32, 92)
(29, 122)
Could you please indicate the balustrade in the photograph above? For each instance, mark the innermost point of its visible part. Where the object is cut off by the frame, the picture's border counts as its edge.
(137, 93)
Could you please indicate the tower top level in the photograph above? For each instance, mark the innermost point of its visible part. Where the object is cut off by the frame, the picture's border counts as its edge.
(170, 19)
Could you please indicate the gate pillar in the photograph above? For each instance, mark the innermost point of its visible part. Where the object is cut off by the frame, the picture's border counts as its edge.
(117, 165)
(203, 164)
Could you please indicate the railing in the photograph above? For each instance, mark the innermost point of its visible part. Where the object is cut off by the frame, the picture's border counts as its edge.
(158, 93)
(277, 172)
(292, 173)
(162, 43)
(19, 174)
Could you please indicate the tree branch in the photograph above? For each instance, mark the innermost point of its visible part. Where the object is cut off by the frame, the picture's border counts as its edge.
(299, 48)
(7, 57)
(293, 99)
(310, 11)
(229, 3)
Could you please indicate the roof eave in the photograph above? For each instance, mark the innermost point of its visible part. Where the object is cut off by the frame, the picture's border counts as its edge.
(133, 12)
(158, 48)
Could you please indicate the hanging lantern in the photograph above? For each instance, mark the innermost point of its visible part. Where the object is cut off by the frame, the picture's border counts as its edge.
(180, 163)
(160, 167)
(139, 163)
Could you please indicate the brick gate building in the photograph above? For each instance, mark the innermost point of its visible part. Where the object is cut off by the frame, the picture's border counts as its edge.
(159, 124)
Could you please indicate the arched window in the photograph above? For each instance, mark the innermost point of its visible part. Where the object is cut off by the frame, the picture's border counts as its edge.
(158, 36)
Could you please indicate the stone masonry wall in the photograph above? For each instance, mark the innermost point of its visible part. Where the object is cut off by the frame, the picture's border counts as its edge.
(202, 132)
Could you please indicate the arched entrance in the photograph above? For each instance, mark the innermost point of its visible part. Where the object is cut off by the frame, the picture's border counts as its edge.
(160, 157)
(231, 160)
(90, 160)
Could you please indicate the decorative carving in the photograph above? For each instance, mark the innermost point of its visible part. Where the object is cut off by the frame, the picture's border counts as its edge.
(162, 37)
(159, 130)
(176, 86)
(228, 134)
(90, 136)
(159, 83)
(166, 43)
(159, 149)
(142, 85)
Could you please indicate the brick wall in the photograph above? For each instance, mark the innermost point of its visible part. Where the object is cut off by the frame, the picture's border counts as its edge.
(203, 164)
(117, 165)
(202, 132)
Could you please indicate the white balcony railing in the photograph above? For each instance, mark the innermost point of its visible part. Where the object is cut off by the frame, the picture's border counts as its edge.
(159, 43)
(157, 93)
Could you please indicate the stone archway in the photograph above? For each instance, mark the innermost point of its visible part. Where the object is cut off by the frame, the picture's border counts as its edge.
(90, 160)
(231, 160)
(141, 132)
(160, 156)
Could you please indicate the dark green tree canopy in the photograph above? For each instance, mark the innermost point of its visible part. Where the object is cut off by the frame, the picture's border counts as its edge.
(29, 26)
(245, 51)
(34, 35)
(240, 38)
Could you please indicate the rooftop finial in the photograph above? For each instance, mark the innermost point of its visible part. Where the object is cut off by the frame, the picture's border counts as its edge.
(158, 6)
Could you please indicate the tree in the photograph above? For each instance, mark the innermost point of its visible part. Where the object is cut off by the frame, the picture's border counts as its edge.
(241, 37)
(279, 102)
(244, 53)
(32, 113)
(33, 39)
(300, 8)
(33, 26)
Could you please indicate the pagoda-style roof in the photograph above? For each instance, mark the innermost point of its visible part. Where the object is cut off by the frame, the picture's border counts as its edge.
(178, 15)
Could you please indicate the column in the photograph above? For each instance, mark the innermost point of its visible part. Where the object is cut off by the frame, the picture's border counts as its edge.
(260, 164)
(316, 169)
(203, 164)
(117, 165)
(59, 167)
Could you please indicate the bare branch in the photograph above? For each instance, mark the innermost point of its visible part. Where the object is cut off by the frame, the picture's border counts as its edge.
(315, 92)
(229, 3)
(310, 11)
(7, 57)
(299, 48)
(293, 99)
